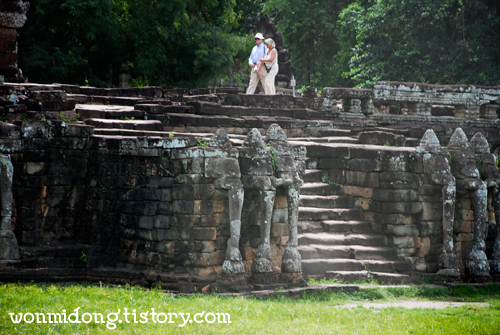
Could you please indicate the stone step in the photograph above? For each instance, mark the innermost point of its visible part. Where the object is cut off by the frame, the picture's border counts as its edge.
(212, 108)
(342, 239)
(133, 133)
(328, 201)
(324, 266)
(337, 226)
(359, 252)
(246, 122)
(315, 176)
(352, 276)
(334, 226)
(330, 139)
(310, 188)
(318, 214)
(149, 125)
(335, 132)
(122, 101)
(107, 112)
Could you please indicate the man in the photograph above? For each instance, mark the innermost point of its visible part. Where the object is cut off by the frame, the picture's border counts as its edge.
(258, 52)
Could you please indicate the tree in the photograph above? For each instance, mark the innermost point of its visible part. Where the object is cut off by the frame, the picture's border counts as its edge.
(70, 41)
(160, 42)
(443, 42)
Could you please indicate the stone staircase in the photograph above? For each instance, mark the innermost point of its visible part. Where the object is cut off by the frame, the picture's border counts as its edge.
(335, 239)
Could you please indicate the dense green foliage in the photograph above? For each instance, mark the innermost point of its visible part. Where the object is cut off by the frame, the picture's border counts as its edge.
(167, 43)
(190, 43)
(341, 43)
(309, 29)
(441, 42)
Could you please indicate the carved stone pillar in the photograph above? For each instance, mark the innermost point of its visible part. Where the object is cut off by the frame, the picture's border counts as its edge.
(288, 178)
(463, 164)
(435, 159)
(485, 163)
(225, 168)
(9, 249)
(12, 18)
(257, 171)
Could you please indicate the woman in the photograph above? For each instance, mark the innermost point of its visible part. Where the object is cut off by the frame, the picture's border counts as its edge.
(270, 61)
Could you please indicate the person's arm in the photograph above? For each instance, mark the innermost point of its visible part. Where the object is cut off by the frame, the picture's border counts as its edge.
(270, 60)
(250, 58)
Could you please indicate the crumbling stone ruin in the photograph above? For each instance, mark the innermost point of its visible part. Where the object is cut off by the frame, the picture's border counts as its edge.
(12, 18)
(219, 190)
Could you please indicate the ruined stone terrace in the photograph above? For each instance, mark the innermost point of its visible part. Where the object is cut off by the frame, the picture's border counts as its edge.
(114, 185)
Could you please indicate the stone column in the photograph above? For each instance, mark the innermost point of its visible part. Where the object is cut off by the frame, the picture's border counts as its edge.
(485, 162)
(9, 249)
(257, 171)
(435, 163)
(12, 18)
(288, 178)
(463, 164)
(226, 170)
(495, 263)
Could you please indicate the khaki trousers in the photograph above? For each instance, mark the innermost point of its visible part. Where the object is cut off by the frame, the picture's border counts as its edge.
(254, 80)
(269, 87)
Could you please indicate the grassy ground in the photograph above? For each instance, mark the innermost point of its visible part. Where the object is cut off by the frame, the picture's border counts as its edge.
(310, 314)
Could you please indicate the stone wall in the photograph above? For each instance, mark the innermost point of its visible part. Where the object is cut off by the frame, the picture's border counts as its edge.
(12, 18)
(114, 208)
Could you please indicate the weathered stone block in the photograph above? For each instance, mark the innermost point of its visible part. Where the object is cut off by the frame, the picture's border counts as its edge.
(220, 206)
(461, 226)
(227, 184)
(207, 258)
(144, 234)
(355, 191)
(285, 164)
(222, 167)
(365, 165)
(34, 168)
(395, 195)
(192, 192)
(464, 237)
(407, 242)
(183, 207)
(280, 215)
(203, 207)
(146, 222)
(332, 163)
(401, 230)
(204, 233)
(425, 246)
(395, 219)
(430, 228)
(435, 164)
(401, 207)
(256, 167)
(257, 182)
(161, 222)
(432, 211)
(279, 229)
(202, 246)
(365, 179)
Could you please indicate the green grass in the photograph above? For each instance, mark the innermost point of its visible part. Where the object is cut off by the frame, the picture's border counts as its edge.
(310, 314)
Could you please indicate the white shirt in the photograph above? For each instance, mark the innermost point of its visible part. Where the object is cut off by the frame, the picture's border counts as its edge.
(258, 52)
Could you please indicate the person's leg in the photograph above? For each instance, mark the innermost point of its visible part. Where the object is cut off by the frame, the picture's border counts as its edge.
(269, 81)
(254, 80)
